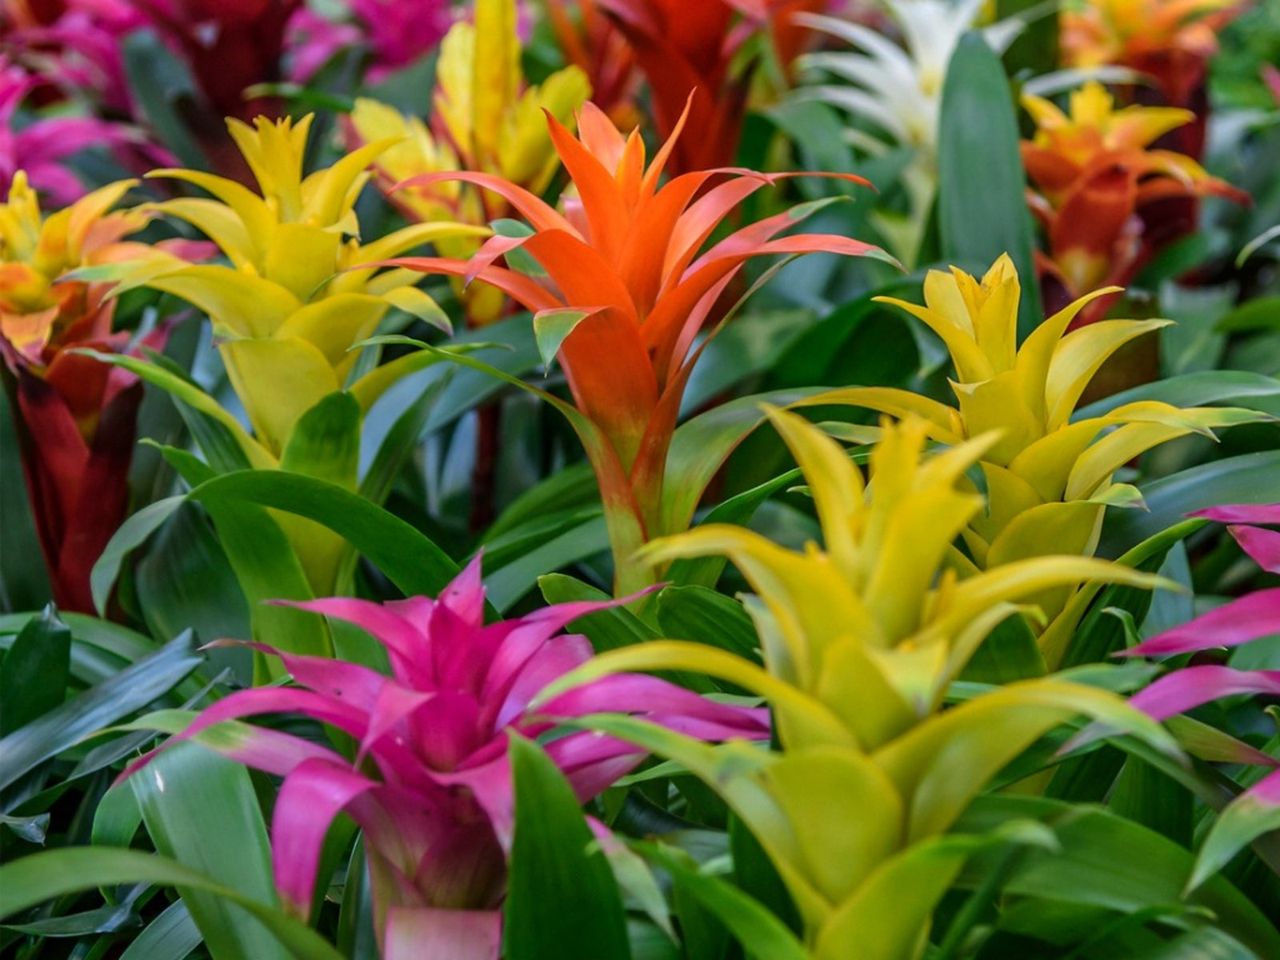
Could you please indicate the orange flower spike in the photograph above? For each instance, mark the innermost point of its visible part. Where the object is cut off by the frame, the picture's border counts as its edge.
(627, 256)
(1093, 173)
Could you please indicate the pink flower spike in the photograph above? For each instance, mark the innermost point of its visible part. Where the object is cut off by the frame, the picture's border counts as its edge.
(1260, 544)
(1190, 687)
(1265, 513)
(431, 783)
(311, 796)
(427, 934)
(1240, 621)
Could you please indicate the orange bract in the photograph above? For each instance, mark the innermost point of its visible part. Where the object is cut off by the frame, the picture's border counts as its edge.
(1099, 190)
(628, 253)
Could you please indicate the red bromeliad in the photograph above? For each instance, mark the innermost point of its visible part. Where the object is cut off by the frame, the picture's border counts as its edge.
(431, 783)
(628, 279)
(75, 416)
(687, 52)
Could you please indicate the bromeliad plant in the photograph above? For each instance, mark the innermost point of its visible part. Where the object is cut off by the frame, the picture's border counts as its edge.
(75, 417)
(1107, 201)
(861, 642)
(898, 91)
(1237, 623)
(485, 119)
(1168, 41)
(430, 784)
(1049, 478)
(626, 291)
(300, 289)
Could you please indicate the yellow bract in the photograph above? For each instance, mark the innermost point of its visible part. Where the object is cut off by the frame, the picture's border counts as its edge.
(1048, 479)
(485, 119)
(38, 251)
(860, 642)
(876, 625)
(301, 289)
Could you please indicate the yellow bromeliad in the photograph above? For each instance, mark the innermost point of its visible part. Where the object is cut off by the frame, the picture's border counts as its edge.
(300, 289)
(485, 119)
(1048, 478)
(39, 308)
(860, 642)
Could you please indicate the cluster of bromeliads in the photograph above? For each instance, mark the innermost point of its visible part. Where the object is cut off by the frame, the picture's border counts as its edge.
(975, 517)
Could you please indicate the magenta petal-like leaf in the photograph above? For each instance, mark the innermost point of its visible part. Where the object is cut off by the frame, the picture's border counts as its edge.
(429, 934)
(1249, 618)
(1242, 513)
(1260, 544)
(312, 795)
(1190, 687)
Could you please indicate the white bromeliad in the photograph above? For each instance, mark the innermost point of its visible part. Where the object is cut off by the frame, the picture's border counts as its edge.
(896, 88)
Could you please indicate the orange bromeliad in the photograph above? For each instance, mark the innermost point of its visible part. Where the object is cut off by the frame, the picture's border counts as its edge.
(1106, 201)
(1170, 41)
(627, 288)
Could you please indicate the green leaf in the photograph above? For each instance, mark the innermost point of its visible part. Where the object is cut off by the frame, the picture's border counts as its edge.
(1250, 478)
(762, 935)
(982, 207)
(1202, 388)
(118, 696)
(606, 629)
(1010, 652)
(24, 584)
(33, 675)
(325, 442)
(700, 446)
(562, 900)
(171, 936)
(200, 810)
(578, 539)
(1108, 862)
(132, 534)
(407, 557)
(55, 873)
(1245, 819)
(551, 328)
(701, 614)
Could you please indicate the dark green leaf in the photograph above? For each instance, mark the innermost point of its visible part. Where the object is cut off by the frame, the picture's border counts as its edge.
(982, 207)
(33, 676)
(562, 900)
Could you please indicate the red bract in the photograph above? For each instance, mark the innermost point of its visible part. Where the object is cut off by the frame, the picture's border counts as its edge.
(431, 782)
(687, 52)
(75, 416)
(229, 45)
(626, 263)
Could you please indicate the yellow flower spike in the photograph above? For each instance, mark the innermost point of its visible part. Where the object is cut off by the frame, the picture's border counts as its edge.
(1048, 479)
(485, 118)
(40, 254)
(300, 289)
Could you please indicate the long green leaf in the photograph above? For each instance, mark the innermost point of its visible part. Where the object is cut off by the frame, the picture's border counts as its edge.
(55, 873)
(114, 698)
(562, 900)
(201, 811)
(407, 557)
(33, 676)
(982, 207)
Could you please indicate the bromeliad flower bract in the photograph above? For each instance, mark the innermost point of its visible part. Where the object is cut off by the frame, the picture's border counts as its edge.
(430, 783)
(628, 289)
